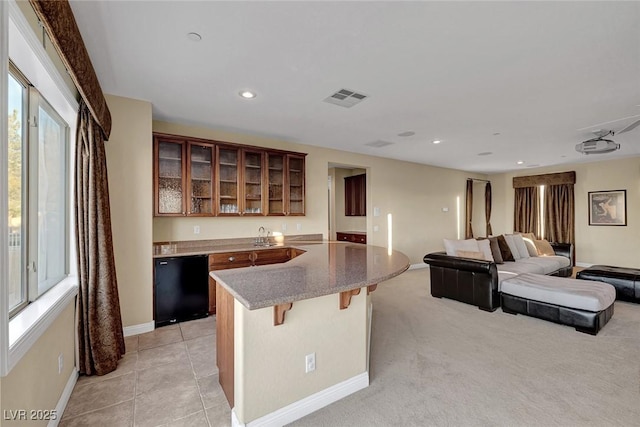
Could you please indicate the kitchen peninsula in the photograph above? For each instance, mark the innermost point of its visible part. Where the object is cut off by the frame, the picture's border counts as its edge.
(294, 337)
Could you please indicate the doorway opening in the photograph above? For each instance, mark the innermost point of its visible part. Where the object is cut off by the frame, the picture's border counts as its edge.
(348, 202)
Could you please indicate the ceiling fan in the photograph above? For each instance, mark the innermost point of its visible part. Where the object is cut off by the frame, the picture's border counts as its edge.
(601, 145)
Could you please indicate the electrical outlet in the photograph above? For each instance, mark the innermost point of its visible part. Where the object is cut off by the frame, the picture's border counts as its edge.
(60, 363)
(310, 363)
(284, 227)
(376, 228)
(299, 226)
(196, 229)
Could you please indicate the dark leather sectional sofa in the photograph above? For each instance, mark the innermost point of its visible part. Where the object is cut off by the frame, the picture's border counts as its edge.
(476, 281)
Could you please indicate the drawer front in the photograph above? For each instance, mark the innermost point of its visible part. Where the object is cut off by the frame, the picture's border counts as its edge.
(224, 260)
(360, 238)
(343, 237)
(272, 256)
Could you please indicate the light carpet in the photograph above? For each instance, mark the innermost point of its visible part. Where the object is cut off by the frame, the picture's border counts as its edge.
(439, 362)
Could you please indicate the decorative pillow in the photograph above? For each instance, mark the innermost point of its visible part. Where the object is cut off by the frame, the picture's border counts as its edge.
(531, 247)
(528, 236)
(485, 248)
(453, 246)
(470, 254)
(544, 248)
(512, 246)
(504, 249)
(495, 250)
(522, 248)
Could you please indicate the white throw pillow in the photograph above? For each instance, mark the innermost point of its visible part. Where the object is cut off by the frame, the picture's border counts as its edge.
(453, 246)
(485, 248)
(522, 248)
(512, 246)
(531, 247)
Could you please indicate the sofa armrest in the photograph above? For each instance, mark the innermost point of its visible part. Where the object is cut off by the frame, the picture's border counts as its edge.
(441, 259)
(563, 249)
(464, 279)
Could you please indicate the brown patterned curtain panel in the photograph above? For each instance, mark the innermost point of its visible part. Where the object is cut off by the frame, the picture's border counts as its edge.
(526, 210)
(487, 208)
(559, 214)
(100, 335)
(468, 231)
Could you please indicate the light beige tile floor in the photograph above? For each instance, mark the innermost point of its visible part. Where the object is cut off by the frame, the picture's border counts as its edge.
(168, 377)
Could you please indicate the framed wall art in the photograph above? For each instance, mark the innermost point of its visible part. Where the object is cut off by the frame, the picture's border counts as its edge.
(608, 207)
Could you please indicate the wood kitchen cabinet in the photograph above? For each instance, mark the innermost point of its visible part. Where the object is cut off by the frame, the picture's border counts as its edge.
(169, 176)
(355, 195)
(238, 259)
(352, 236)
(286, 184)
(183, 177)
(197, 177)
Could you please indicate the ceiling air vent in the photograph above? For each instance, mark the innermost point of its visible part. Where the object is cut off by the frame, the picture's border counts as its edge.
(345, 98)
(378, 143)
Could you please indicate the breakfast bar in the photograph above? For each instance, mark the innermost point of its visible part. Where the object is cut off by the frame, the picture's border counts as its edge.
(294, 337)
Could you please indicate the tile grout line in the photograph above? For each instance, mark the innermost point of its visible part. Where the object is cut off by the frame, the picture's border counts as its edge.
(193, 371)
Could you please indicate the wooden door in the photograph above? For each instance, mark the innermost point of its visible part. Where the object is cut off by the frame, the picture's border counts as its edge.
(228, 173)
(253, 179)
(275, 179)
(200, 191)
(169, 176)
(295, 185)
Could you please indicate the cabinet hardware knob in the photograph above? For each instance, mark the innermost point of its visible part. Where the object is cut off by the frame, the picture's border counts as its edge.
(231, 259)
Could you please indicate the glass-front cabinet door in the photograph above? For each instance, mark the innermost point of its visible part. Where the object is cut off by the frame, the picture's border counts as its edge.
(252, 178)
(200, 166)
(228, 181)
(295, 187)
(169, 165)
(275, 164)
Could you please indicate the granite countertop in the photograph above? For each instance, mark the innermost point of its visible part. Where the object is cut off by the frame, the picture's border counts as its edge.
(206, 247)
(325, 268)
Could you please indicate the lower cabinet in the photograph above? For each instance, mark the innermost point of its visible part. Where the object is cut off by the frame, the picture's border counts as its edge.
(354, 237)
(238, 259)
(180, 289)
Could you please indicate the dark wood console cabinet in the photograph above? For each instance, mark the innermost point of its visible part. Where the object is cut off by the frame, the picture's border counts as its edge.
(351, 236)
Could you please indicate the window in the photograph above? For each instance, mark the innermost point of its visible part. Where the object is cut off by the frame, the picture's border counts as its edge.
(38, 195)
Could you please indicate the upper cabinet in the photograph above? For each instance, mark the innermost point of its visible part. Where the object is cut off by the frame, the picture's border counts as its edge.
(355, 195)
(198, 177)
(169, 176)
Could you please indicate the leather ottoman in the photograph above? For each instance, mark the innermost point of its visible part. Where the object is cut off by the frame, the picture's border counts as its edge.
(585, 305)
(625, 280)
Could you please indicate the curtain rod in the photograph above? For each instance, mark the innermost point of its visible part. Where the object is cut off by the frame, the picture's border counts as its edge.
(477, 179)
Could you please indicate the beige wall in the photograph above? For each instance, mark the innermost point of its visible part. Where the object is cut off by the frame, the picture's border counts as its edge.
(612, 245)
(129, 160)
(34, 383)
(346, 223)
(268, 378)
(413, 193)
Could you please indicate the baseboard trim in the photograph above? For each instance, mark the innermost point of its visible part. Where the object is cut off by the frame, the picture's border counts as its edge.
(418, 266)
(307, 405)
(64, 398)
(138, 329)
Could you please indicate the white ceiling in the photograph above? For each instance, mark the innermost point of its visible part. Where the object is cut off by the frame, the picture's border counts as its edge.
(541, 74)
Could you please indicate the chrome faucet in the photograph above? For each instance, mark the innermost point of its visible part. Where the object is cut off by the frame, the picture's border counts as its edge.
(260, 240)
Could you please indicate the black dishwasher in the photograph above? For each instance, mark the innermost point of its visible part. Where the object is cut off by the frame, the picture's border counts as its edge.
(181, 289)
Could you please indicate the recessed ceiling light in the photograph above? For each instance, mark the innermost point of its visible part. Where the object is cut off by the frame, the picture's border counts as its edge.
(437, 141)
(194, 37)
(407, 133)
(520, 162)
(247, 94)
